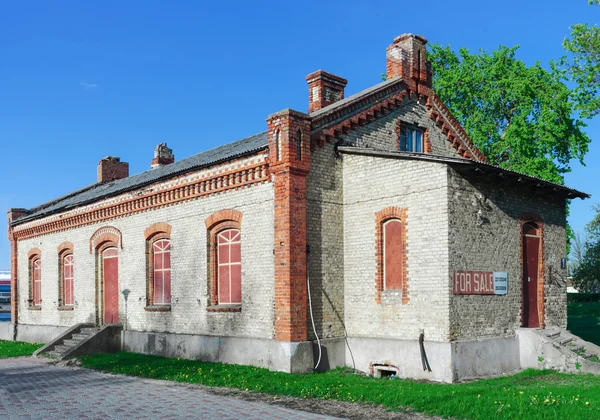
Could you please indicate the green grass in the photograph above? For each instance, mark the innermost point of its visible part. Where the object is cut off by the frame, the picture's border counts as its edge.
(531, 394)
(17, 349)
(584, 320)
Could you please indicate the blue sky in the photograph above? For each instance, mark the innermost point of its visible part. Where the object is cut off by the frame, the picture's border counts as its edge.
(83, 80)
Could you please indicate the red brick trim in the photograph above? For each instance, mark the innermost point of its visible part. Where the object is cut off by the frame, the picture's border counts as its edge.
(104, 237)
(234, 179)
(65, 247)
(531, 217)
(454, 131)
(34, 252)
(221, 216)
(427, 142)
(155, 228)
(381, 217)
(289, 179)
(216, 223)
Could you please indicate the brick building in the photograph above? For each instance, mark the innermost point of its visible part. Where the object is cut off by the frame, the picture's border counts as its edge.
(372, 215)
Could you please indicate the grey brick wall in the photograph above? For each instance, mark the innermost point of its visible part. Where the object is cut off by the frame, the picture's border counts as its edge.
(495, 246)
(372, 184)
(381, 134)
(325, 238)
(189, 271)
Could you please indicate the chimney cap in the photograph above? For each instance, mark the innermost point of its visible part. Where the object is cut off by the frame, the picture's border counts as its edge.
(404, 37)
(329, 77)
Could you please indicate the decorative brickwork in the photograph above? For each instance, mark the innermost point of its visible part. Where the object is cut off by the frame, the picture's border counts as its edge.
(106, 236)
(290, 224)
(215, 224)
(157, 228)
(233, 179)
(381, 217)
(539, 222)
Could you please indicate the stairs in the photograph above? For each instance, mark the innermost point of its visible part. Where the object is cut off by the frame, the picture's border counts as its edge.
(558, 349)
(83, 339)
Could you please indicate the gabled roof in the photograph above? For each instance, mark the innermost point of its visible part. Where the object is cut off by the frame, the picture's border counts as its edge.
(469, 165)
(98, 191)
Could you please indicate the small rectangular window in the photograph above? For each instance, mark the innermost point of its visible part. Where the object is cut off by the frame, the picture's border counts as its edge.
(411, 139)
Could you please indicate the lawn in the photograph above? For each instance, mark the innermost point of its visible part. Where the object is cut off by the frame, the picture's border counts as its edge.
(532, 394)
(584, 320)
(17, 349)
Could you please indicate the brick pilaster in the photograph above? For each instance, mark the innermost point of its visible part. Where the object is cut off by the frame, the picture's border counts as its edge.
(14, 296)
(289, 157)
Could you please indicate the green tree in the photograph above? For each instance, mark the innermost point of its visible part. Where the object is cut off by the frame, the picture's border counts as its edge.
(522, 118)
(582, 66)
(586, 277)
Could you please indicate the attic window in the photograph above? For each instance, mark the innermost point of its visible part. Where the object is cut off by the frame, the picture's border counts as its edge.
(411, 139)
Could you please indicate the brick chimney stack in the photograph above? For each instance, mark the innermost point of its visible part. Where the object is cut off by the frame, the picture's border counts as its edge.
(162, 156)
(406, 57)
(111, 168)
(324, 89)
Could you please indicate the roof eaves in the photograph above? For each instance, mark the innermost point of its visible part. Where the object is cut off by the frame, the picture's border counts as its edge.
(571, 192)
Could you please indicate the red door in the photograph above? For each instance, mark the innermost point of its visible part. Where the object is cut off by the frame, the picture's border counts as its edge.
(110, 270)
(531, 255)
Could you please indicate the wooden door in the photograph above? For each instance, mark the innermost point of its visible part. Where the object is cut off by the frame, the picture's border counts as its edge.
(531, 255)
(110, 272)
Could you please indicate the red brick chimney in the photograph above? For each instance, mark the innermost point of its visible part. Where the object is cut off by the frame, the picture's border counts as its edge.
(324, 89)
(406, 57)
(111, 168)
(162, 156)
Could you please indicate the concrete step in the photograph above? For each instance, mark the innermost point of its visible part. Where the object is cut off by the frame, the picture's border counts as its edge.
(89, 330)
(61, 349)
(578, 349)
(553, 334)
(588, 355)
(53, 354)
(71, 342)
(566, 341)
(80, 336)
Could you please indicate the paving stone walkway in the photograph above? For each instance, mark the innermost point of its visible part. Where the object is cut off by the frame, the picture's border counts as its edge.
(32, 389)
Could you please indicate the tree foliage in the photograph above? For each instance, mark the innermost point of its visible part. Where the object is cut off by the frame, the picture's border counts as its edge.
(520, 117)
(586, 277)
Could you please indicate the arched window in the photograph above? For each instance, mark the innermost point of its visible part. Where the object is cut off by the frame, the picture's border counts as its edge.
(36, 277)
(393, 255)
(67, 295)
(229, 266)
(158, 253)
(391, 252)
(223, 230)
(278, 150)
(299, 145)
(161, 272)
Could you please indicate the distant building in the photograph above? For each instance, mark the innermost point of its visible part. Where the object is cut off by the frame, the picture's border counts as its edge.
(374, 215)
(4, 295)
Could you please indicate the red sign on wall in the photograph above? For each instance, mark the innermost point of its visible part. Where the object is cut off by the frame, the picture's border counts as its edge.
(473, 283)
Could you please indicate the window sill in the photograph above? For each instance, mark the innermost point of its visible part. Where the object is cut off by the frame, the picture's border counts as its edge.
(66, 308)
(225, 308)
(34, 308)
(158, 308)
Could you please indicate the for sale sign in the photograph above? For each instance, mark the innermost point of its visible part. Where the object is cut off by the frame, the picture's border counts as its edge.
(479, 283)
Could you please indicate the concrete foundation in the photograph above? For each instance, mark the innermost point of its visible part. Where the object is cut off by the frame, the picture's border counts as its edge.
(6, 331)
(41, 334)
(270, 354)
(486, 357)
